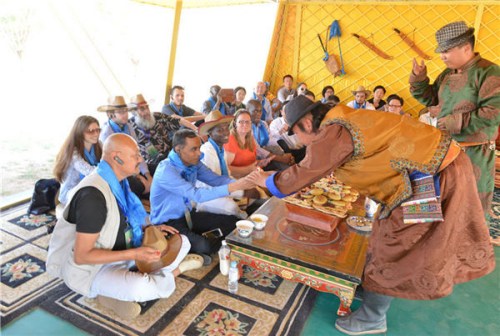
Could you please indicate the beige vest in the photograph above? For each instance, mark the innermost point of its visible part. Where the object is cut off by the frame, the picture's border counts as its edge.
(60, 259)
(387, 147)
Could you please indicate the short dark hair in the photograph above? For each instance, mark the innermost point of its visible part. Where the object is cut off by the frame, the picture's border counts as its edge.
(472, 41)
(238, 88)
(180, 137)
(310, 93)
(333, 99)
(379, 87)
(395, 96)
(287, 76)
(175, 87)
(326, 89)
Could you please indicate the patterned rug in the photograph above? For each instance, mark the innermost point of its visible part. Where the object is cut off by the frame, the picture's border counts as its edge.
(201, 305)
(495, 215)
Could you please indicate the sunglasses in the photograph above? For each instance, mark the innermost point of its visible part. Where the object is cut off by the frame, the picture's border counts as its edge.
(93, 131)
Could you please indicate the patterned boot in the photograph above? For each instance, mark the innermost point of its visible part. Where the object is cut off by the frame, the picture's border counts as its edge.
(370, 318)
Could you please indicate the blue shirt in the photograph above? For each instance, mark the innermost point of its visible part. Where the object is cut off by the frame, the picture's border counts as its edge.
(169, 191)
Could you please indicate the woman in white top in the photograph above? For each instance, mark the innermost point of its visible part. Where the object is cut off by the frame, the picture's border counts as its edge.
(78, 156)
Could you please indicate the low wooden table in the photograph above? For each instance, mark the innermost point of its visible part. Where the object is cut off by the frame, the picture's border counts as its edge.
(327, 262)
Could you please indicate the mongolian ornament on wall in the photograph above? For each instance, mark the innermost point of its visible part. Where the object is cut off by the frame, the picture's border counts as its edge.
(373, 47)
(412, 44)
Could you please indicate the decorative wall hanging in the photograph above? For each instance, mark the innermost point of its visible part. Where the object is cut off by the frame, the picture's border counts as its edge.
(330, 61)
(412, 44)
(372, 47)
(335, 32)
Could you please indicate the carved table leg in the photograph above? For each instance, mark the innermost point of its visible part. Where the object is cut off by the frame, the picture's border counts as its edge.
(346, 298)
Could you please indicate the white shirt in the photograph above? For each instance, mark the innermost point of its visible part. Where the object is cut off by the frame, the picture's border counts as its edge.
(275, 134)
(368, 106)
(223, 205)
(427, 119)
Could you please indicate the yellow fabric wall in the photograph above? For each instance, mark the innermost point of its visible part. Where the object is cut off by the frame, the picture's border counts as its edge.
(296, 49)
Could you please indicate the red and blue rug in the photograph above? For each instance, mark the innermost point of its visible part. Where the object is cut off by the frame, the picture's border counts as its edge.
(201, 305)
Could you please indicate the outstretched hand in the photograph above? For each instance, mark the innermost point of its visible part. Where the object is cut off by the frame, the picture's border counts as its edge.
(259, 177)
(419, 69)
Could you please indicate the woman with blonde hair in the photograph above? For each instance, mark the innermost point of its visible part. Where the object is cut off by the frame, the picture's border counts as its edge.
(78, 156)
(241, 148)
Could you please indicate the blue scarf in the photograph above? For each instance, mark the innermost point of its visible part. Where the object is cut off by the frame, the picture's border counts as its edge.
(128, 202)
(260, 134)
(179, 111)
(263, 103)
(222, 107)
(220, 155)
(90, 156)
(357, 106)
(189, 174)
(117, 129)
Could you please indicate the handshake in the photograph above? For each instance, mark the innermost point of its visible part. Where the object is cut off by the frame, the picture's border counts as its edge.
(256, 178)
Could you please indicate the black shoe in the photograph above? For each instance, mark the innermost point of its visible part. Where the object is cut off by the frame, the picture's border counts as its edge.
(207, 260)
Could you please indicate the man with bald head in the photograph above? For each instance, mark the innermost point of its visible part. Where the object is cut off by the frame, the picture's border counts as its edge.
(99, 236)
(259, 95)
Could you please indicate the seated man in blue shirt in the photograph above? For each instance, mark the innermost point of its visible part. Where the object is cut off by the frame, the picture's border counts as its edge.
(173, 191)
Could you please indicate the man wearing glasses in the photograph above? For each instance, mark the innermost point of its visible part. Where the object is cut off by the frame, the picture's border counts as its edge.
(394, 104)
(117, 111)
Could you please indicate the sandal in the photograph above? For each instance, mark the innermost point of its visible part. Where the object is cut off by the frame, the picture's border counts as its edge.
(191, 262)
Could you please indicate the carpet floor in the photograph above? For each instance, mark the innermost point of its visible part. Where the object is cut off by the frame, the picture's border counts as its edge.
(201, 305)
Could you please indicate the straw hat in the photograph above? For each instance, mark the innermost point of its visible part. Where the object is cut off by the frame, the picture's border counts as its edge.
(115, 103)
(138, 100)
(169, 248)
(452, 35)
(213, 119)
(361, 88)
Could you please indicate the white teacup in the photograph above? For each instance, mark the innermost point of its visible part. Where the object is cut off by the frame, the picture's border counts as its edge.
(244, 227)
(259, 220)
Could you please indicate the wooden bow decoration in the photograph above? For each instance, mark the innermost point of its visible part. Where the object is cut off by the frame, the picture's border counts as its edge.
(373, 47)
(412, 44)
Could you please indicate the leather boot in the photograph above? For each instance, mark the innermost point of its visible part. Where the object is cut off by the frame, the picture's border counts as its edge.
(370, 318)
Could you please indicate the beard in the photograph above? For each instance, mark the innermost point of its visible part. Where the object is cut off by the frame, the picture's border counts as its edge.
(144, 123)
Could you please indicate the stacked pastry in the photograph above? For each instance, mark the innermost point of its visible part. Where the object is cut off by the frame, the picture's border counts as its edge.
(326, 195)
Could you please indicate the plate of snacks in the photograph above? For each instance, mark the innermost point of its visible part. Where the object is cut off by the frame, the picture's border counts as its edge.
(360, 223)
(326, 195)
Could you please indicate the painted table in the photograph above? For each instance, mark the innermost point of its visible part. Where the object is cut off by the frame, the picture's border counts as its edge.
(328, 262)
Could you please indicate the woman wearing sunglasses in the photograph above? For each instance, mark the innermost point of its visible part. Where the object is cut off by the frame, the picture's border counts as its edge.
(78, 156)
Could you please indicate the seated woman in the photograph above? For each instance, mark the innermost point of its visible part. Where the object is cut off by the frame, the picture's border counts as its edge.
(78, 156)
(378, 98)
(241, 148)
(301, 89)
(239, 96)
